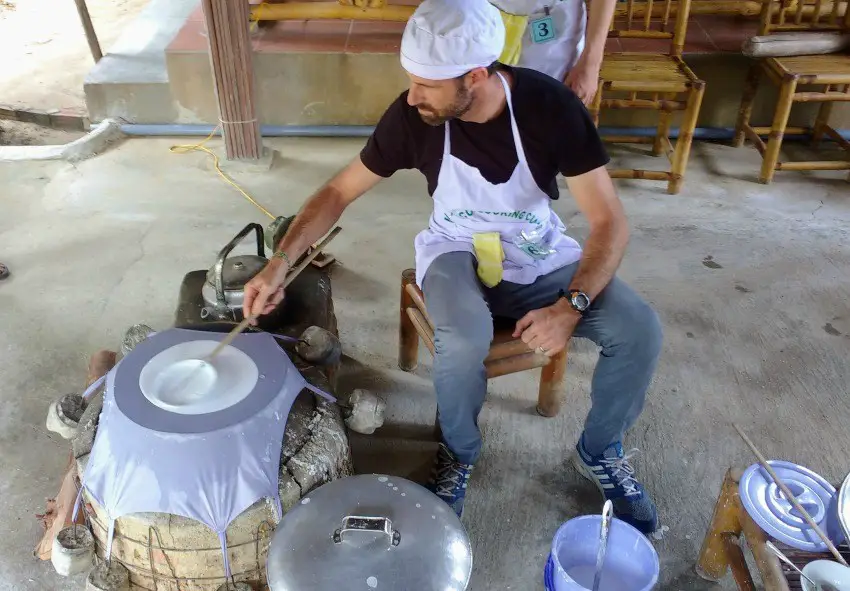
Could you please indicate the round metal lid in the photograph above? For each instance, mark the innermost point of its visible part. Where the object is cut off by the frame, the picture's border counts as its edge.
(370, 532)
(769, 508)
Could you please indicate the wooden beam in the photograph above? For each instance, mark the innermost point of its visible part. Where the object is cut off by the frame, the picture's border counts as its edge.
(232, 63)
(88, 27)
(330, 10)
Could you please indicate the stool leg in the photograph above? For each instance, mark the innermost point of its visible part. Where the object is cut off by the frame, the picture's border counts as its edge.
(686, 138)
(714, 558)
(551, 394)
(596, 104)
(766, 561)
(408, 339)
(822, 120)
(777, 130)
(738, 564)
(745, 111)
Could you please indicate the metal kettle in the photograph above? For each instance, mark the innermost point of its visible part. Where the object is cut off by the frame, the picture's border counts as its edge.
(224, 289)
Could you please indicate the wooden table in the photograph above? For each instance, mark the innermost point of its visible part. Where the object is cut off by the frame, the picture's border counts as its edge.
(722, 549)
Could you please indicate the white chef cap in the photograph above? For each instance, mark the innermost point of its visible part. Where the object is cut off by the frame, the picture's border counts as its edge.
(445, 39)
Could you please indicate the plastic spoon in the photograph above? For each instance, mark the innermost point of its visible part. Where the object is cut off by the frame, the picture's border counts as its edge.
(786, 560)
(604, 528)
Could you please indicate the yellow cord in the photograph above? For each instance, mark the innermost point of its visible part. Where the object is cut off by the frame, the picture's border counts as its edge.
(199, 147)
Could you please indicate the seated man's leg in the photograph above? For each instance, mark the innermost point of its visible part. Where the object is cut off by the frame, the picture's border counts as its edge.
(463, 331)
(629, 334)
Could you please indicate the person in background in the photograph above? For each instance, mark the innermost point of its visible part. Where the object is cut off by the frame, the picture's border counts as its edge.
(490, 140)
(562, 38)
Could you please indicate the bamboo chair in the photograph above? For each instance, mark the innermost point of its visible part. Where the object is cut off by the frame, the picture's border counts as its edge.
(507, 355)
(663, 81)
(828, 74)
(359, 10)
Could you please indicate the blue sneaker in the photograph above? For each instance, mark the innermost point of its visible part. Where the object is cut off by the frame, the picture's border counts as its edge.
(615, 478)
(449, 479)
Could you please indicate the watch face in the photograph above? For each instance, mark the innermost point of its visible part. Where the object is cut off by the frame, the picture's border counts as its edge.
(580, 300)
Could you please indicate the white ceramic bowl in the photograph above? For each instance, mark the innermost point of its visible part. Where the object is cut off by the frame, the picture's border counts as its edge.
(830, 575)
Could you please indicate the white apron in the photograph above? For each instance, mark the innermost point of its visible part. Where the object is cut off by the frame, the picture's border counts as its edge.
(465, 203)
(554, 52)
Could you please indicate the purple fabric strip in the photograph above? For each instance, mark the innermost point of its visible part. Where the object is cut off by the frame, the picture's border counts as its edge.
(284, 337)
(97, 384)
(110, 534)
(320, 392)
(223, 539)
(77, 505)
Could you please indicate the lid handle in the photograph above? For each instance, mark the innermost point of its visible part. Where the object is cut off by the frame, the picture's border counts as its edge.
(222, 255)
(357, 524)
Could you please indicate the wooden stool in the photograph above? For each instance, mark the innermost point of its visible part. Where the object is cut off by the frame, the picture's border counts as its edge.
(721, 549)
(507, 354)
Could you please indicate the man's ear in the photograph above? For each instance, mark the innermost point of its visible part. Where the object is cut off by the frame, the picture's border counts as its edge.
(477, 76)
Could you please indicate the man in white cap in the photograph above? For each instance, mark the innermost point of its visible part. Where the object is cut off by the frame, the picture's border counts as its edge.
(490, 141)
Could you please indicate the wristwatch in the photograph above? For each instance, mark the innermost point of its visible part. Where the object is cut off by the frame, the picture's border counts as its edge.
(578, 300)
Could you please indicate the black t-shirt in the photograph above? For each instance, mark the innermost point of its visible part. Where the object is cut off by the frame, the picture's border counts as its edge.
(556, 131)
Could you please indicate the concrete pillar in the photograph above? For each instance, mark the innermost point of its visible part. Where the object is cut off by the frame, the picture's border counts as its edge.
(231, 57)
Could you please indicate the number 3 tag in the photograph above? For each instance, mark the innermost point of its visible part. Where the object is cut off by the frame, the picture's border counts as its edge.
(542, 30)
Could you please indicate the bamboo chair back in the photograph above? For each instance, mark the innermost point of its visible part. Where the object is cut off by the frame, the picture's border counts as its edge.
(804, 15)
(652, 19)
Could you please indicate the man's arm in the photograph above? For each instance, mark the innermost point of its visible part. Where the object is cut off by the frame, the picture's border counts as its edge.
(323, 209)
(609, 233)
(549, 329)
(583, 79)
(316, 217)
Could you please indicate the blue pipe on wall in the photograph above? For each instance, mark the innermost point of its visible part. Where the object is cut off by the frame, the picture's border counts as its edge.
(168, 129)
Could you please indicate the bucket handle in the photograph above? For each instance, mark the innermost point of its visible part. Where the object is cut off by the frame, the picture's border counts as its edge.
(352, 524)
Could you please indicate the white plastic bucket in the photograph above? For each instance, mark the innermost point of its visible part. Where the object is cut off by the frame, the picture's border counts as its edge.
(631, 563)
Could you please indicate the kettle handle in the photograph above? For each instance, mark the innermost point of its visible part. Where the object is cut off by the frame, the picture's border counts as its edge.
(360, 523)
(219, 262)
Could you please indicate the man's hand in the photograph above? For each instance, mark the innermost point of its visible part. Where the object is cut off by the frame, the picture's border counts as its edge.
(548, 328)
(583, 79)
(265, 290)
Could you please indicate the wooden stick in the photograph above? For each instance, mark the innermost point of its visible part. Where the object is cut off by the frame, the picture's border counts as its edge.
(814, 165)
(790, 496)
(88, 28)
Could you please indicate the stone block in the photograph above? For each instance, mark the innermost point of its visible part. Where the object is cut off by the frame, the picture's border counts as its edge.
(34, 116)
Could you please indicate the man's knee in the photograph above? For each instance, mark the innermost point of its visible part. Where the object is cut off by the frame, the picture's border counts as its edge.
(465, 344)
(644, 335)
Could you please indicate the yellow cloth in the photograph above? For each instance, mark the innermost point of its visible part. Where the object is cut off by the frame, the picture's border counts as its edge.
(514, 30)
(488, 251)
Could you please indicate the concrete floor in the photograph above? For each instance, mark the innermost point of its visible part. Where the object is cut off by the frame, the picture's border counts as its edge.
(750, 281)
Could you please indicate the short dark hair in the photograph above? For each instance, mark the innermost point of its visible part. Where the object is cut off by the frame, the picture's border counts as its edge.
(491, 69)
(496, 66)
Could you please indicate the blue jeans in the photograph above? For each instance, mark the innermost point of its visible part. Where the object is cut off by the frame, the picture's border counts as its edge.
(462, 309)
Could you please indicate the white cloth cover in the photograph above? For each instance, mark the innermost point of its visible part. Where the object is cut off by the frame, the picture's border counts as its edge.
(445, 39)
(209, 467)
